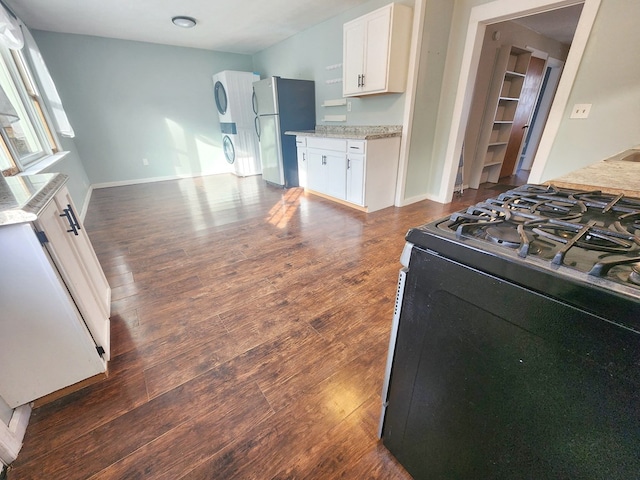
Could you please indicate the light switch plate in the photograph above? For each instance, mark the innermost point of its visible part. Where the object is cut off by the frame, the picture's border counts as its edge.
(580, 110)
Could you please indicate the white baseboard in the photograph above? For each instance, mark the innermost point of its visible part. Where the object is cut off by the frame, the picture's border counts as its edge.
(136, 181)
(11, 435)
(419, 198)
(85, 205)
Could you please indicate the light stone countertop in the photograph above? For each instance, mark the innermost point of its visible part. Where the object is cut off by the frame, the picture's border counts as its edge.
(22, 198)
(355, 132)
(613, 175)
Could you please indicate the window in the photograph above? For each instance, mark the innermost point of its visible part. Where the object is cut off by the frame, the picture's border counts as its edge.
(29, 139)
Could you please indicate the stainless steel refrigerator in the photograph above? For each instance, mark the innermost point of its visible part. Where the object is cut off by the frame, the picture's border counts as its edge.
(280, 105)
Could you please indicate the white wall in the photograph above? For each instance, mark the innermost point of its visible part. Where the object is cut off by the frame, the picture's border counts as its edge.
(5, 412)
(608, 78)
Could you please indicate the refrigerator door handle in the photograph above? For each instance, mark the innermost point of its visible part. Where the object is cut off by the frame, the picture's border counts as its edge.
(256, 123)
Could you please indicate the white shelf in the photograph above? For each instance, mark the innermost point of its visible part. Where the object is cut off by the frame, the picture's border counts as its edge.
(334, 103)
(334, 118)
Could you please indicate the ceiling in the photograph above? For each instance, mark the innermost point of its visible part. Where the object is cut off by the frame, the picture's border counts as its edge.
(560, 24)
(236, 26)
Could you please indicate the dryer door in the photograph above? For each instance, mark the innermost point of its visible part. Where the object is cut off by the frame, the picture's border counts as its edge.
(221, 97)
(229, 149)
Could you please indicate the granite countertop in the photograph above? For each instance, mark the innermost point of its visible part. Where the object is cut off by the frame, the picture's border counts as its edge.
(355, 132)
(613, 175)
(22, 198)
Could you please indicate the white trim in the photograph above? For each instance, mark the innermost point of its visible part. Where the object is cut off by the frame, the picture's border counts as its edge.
(499, 11)
(11, 435)
(410, 100)
(46, 162)
(137, 181)
(85, 205)
(418, 198)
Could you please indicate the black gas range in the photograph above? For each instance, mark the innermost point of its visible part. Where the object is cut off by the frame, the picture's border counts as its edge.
(515, 347)
(549, 236)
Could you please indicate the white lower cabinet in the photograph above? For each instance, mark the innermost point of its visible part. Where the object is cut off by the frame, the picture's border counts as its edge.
(55, 299)
(360, 173)
(326, 170)
(301, 150)
(355, 179)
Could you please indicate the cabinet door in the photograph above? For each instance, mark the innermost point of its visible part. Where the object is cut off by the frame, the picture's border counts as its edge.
(353, 56)
(76, 261)
(44, 344)
(327, 172)
(355, 179)
(302, 166)
(336, 170)
(315, 170)
(377, 51)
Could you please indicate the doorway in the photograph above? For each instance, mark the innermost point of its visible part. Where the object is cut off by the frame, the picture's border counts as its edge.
(504, 10)
(494, 150)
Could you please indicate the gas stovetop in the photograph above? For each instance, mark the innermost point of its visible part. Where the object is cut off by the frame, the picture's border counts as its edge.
(590, 236)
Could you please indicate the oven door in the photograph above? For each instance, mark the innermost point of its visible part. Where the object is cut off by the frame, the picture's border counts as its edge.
(490, 380)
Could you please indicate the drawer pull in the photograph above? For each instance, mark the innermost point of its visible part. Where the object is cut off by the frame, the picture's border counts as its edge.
(69, 214)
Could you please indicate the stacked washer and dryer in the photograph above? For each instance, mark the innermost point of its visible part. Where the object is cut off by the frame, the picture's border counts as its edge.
(233, 93)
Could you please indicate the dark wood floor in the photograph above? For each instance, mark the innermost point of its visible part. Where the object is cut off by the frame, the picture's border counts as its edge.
(249, 328)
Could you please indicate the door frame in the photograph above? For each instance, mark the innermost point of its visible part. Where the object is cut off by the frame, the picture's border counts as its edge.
(501, 11)
(542, 112)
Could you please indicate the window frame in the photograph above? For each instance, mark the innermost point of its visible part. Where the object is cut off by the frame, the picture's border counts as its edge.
(37, 114)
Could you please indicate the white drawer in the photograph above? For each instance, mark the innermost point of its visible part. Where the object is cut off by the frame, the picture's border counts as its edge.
(301, 141)
(356, 146)
(336, 144)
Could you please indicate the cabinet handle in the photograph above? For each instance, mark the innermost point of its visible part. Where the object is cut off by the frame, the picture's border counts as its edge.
(362, 80)
(324, 159)
(72, 219)
(304, 157)
(348, 163)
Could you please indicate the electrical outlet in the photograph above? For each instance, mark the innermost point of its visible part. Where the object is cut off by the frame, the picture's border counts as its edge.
(348, 105)
(580, 110)
(145, 162)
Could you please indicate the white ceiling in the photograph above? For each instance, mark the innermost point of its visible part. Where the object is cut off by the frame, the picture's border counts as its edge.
(559, 24)
(237, 26)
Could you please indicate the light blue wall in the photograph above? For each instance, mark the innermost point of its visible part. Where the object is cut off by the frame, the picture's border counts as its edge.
(130, 101)
(307, 56)
(71, 165)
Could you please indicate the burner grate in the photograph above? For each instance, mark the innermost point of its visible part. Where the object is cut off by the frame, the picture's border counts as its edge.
(598, 231)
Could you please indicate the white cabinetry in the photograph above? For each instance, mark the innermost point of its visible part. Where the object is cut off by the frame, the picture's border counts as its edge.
(358, 173)
(54, 330)
(301, 150)
(355, 171)
(327, 166)
(376, 51)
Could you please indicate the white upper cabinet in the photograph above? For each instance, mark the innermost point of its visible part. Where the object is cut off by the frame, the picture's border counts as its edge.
(376, 51)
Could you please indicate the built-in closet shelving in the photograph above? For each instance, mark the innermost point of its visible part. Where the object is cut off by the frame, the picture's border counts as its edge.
(508, 78)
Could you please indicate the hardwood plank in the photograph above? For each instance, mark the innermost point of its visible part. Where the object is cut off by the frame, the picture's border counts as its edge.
(198, 438)
(249, 331)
